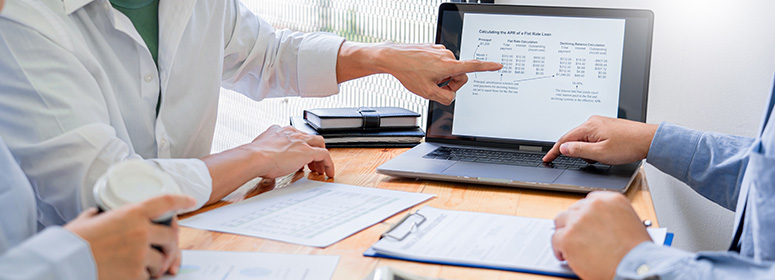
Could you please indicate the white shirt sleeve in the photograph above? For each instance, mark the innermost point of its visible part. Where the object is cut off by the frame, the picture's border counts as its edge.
(651, 261)
(261, 62)
(68, 112)
(55, 253)
(57, 123)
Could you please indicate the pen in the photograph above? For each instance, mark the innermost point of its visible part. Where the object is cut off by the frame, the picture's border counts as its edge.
(646, 223)
(444, 83)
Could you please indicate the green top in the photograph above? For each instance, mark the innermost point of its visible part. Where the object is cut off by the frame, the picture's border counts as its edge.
(144, 15)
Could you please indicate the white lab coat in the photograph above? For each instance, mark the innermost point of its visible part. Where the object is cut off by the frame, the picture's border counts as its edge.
(79, 88)
(54, 253)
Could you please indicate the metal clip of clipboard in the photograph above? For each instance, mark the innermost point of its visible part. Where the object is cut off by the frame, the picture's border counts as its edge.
(405, 226)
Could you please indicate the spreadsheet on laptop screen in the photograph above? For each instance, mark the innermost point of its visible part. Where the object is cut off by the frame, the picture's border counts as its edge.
(557, 72)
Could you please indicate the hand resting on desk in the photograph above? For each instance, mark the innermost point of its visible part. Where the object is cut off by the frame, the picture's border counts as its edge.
(285, 149)
(595, 233)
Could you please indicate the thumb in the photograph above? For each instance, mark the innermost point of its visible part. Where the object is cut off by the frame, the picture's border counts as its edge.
(157, 206)
(583, 150)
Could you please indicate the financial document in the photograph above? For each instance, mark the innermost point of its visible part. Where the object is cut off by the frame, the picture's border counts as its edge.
(307, 212)
(570, 66)
(254, 266)
(481, 240)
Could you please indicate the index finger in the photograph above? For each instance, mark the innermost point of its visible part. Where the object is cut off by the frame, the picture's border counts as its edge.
(554, 152)
(473, 65)
(157, 206)
(322, 155)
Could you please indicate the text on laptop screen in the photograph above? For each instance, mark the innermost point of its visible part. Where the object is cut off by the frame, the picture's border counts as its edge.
(562, 64)
(557, 72)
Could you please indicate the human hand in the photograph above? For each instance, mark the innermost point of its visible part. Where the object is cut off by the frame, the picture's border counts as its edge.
(421, 67)
(607, 218)
(121, 239)
(284, 150)
(607, 140)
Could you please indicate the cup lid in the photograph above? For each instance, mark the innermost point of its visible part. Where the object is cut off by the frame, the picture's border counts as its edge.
(132, 181)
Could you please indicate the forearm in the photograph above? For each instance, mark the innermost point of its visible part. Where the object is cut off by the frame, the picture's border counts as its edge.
(419, 67)
(357, 60)
(710, 163)
(276, 152)
(650, 261)
(231, 169)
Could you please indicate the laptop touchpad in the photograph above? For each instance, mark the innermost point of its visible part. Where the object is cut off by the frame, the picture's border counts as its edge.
(508, 172)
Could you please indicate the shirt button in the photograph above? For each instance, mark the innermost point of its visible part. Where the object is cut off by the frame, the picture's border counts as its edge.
(163, 142)
(148, 78)
(642, 269)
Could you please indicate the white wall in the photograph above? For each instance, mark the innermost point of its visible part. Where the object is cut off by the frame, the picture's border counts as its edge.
(712, 69)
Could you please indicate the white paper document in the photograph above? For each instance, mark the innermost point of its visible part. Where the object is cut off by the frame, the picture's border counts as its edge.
(567, 64)
(307, 212)
(477, 239)
(254, 266)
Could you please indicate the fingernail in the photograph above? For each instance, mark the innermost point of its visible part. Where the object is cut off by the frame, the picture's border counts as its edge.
(564, 148)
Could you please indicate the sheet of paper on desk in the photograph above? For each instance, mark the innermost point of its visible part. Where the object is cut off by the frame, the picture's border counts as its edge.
(253, 265)
(481, 240)
(307, 212)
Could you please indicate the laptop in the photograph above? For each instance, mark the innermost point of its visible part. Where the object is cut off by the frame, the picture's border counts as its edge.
(561, 66)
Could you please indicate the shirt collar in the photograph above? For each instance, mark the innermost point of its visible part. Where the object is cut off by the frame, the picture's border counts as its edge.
(73, 5)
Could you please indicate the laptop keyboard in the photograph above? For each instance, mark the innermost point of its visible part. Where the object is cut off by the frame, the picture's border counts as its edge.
(511, 158)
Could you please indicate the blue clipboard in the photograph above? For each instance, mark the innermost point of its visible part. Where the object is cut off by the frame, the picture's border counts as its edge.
(373, 253)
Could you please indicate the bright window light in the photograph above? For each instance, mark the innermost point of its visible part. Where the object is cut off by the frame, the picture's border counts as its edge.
(240, 119)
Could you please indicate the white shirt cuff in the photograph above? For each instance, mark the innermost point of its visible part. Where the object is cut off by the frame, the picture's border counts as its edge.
(192, 176)
(317, 64)
(649, 260)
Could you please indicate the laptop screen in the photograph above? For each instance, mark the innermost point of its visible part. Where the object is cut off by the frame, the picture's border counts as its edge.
(561, 66)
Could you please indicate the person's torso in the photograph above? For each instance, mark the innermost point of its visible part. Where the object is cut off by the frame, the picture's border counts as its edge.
(757, 199)
(190, 63)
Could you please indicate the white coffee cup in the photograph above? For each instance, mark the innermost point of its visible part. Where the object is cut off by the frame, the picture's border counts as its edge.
(133, 181)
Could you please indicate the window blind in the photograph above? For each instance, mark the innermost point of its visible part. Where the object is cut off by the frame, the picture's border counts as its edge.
(241, 119)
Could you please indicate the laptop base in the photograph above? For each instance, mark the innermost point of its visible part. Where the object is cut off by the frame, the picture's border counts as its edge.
(411, 164)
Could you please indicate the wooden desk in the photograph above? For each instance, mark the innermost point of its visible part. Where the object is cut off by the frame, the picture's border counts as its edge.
(357, 167)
